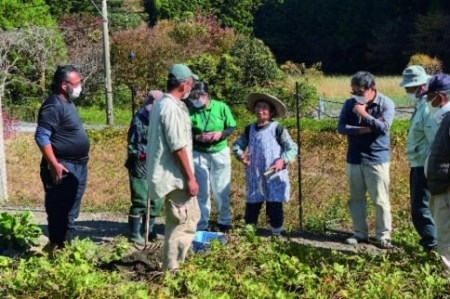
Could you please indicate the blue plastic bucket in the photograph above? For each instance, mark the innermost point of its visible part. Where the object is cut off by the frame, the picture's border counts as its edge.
(202, 240)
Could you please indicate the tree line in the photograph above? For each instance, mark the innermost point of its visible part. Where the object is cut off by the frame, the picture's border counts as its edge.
(342, 36)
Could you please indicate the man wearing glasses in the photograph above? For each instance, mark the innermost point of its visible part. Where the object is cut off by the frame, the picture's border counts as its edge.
(437, 166)
(65, 152)
(365, 119)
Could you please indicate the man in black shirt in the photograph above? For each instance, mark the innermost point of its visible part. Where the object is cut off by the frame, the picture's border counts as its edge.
(65, 149)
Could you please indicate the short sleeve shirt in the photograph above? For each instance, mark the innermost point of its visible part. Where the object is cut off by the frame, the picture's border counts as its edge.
(68, 139)
(169, 131)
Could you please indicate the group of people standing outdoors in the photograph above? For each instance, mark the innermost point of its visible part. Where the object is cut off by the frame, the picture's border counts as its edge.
(184, 147)
(365, 119)
(178, 155)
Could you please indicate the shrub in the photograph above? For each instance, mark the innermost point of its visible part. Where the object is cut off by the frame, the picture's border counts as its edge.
(167, 43)
(432, 65)
(17, 232)
(256, 61)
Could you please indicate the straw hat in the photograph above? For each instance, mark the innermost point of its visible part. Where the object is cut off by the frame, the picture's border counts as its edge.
(253, 98)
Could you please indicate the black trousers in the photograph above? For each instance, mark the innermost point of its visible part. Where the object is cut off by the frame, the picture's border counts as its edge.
(274, 210)
(62, 201)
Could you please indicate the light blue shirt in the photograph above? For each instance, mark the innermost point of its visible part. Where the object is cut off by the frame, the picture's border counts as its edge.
(420, 134)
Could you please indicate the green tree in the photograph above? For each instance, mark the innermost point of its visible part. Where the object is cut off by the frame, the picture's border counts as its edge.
(22, 13)
(43, 50)
(237, 14)
(433, 36)
(59, 8)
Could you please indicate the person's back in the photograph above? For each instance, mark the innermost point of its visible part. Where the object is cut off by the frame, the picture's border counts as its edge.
(162, 167)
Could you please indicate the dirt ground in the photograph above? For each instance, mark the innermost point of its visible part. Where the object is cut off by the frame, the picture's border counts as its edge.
(104, 227)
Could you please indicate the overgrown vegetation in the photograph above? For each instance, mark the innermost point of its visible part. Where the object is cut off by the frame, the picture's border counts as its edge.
(73, 273)
(17, 232)
(248, 266)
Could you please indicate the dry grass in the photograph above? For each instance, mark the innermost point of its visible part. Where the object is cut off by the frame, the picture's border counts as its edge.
(107, 187)
(338, 87)
(323, 174)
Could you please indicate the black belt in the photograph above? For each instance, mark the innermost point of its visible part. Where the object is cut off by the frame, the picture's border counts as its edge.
(82, 161)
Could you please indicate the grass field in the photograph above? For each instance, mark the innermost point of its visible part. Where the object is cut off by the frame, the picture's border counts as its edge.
(338, 87)
(97, 116)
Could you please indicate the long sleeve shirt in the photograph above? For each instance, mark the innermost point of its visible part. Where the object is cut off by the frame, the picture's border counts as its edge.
(420, 134)
(373, 147)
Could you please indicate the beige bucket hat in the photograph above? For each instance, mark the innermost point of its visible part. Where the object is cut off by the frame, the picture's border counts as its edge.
(253, 98)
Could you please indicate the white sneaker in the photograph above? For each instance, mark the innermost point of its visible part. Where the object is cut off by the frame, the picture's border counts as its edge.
(355, 240)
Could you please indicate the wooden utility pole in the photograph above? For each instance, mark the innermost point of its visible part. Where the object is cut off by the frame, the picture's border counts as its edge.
(3, 182)
(108, 85)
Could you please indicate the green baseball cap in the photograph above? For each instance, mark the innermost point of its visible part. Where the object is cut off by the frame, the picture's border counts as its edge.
(182, 72)
(414, 75)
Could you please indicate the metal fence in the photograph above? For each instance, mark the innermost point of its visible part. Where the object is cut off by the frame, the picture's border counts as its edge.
(327, 108)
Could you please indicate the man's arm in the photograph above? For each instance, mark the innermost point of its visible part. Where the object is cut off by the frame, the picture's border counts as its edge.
(56, 169)
(175, 136)
(182, 157)
(344, 127)
(47, 117)
(382, 124)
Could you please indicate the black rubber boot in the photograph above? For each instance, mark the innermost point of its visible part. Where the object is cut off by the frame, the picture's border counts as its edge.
(134, 222)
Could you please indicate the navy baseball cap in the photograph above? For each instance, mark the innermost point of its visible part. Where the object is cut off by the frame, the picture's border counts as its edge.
(438, 83)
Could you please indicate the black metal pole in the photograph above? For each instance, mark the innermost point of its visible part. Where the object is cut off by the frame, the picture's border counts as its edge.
(133, 99)
(299, 157)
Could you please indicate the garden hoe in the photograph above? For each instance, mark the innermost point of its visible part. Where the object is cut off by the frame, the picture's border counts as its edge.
(147, 222)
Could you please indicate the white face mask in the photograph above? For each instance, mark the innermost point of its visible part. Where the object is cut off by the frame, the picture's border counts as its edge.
(186, 95)
(412, 98)
(198, 103)
(361, 99)
(432, 109)
(75, 92)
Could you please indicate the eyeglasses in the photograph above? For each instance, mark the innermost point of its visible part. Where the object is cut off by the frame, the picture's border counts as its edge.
(74, 85)
(358, 93)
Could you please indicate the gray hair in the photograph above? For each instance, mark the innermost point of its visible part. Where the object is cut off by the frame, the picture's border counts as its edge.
(364, 79)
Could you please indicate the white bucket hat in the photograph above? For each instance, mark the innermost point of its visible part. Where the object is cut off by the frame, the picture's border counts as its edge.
(414, 75)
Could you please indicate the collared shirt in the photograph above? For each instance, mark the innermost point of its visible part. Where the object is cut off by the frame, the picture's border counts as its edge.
(370, 148)
(169, 131)
(216, 117)
(420, 134)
